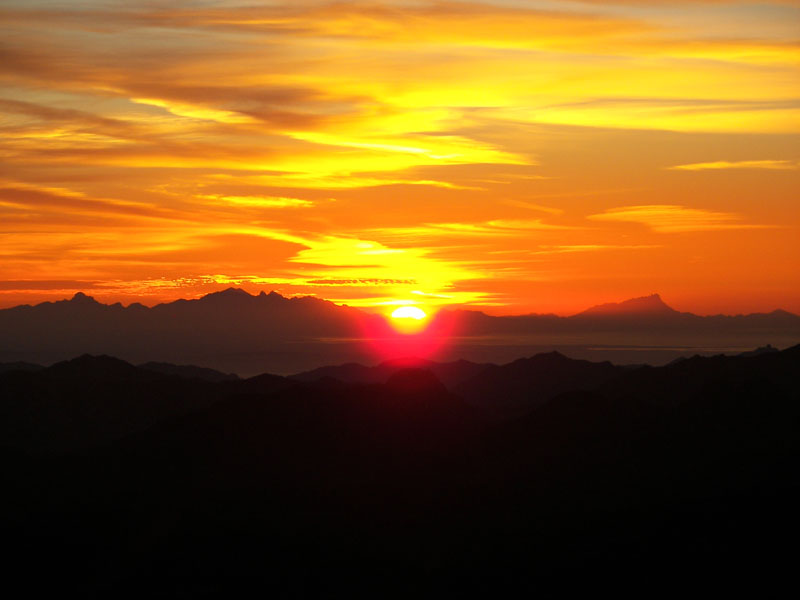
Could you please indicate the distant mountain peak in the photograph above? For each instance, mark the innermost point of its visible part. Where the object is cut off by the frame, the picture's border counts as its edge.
(230, 292)
(82, 298)
(99, 366)
(644, 305)
(235, 293)
(274, 297)
(553, 357)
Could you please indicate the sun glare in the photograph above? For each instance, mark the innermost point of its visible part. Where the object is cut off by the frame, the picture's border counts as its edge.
(409, 312)
(408, 320)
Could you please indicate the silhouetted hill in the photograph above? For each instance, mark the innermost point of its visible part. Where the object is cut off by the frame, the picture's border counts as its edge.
(92, 400)
(88, 368)
(19, 366)
(762, 350)
(189, 372)
(450, 374)
(681, 381)
(529, 382)
(233, 331)
(265, 383)
(678, 475)
(650, 306)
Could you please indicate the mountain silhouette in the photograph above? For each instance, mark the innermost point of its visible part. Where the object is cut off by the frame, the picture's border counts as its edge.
(450, 374)
(233, 331)
(19, 366)
(651, 305)
(682, 473)
(189, 372)
(228, 331)
(529, 382)
(761, 350)
(91, 400)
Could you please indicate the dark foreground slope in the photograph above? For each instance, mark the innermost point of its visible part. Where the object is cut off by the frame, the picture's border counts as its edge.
(679, 476)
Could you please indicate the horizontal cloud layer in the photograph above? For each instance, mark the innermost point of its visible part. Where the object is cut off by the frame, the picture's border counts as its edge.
(511, 154)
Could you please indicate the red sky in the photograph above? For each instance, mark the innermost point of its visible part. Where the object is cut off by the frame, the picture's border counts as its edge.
(537, 156)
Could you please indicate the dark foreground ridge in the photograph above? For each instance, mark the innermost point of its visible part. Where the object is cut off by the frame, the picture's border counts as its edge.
(123, 481)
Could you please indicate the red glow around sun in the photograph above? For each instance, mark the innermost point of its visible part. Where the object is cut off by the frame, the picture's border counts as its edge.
(421, 336)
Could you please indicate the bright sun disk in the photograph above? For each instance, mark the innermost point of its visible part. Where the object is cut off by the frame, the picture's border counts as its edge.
(409, 312)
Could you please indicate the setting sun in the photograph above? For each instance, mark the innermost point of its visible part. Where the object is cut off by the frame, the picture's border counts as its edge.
(409, 312)
(409, 320)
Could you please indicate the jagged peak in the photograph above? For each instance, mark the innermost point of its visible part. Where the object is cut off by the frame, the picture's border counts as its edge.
(273, 297)
(83, 298)
(236, 293)
(229, 292)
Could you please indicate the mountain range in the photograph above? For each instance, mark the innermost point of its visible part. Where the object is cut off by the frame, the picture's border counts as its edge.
(123, 480)
(234, 331)
(66, 406)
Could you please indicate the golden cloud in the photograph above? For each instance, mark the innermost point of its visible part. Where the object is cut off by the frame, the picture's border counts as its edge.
(774, 165)
(668, 218)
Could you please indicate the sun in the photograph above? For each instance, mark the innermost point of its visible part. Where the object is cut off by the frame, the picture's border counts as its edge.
(409, 320)
(409, 312)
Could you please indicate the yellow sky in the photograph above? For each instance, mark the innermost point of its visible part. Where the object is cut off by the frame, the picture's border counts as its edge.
(514, 156)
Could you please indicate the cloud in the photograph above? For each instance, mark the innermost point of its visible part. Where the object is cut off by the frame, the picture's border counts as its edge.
(572, 248)
(774, 165)
(153, 142)
(494, 228)
(348, 260)
(196, 112)
(73, 116)
(395, 22)
(359, 282)
(24, 285)
(668, 218)
(338, 181)
(258, 201)
(33, 200)
(653, 110)
(533, 206)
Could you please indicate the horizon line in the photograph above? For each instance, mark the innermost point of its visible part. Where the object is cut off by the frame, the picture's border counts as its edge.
(376, 309)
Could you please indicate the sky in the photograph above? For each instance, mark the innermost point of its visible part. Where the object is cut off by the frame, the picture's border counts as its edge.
(504, 155)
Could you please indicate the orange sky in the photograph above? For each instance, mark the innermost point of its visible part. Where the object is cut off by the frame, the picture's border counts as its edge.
(514, 156)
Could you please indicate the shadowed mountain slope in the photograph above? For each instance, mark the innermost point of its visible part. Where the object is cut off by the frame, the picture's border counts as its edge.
(91, 400)
(530, 382)
(680, 474)
(19, 366)
(450, 374)
(189, 372)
